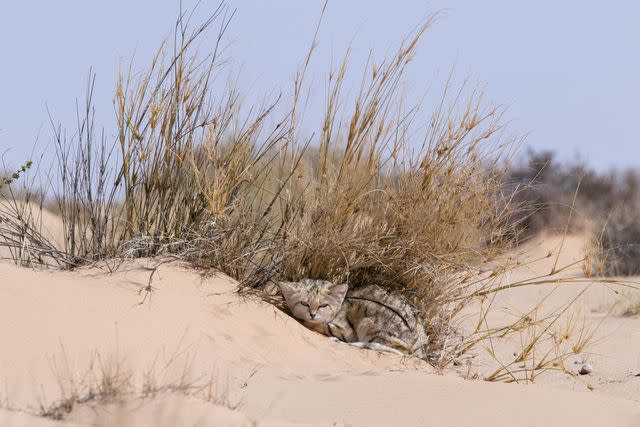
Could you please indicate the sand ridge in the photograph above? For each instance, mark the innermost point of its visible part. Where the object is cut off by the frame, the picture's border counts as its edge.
(261, 366)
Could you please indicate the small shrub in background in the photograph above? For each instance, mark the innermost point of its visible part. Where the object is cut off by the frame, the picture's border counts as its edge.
(547, 191)
(620, 241)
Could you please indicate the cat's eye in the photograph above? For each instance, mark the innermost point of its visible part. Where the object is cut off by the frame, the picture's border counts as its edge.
(305, 304)
(323, 305)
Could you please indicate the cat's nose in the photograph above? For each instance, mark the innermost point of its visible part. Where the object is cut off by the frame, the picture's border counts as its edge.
(312, 314)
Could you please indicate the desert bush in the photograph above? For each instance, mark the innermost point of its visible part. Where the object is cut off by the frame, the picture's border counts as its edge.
(546, 191)
(542, 205)
(620, 242)
(182, 156)
(360, 212)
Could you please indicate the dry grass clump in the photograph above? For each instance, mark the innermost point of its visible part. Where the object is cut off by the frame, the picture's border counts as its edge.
(184, 157)
(369, 205)
(107, 379)
(367, 211)
(376, 194)
(104, 380)
(628, 303)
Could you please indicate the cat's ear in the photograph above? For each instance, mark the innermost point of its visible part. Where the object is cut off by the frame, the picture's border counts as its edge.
(288, 289)
(339, 291)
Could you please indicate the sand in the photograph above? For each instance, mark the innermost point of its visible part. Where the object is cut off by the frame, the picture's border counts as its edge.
(193, 352)
(614, 350)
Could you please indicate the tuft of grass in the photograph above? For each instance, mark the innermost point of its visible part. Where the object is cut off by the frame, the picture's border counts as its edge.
(629, 303)
(184, 158)
(105, 380)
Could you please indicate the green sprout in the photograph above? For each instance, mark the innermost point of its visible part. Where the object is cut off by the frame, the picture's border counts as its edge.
(14, 176)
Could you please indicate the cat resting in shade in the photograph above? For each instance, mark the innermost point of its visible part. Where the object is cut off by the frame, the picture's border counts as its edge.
(367, 317)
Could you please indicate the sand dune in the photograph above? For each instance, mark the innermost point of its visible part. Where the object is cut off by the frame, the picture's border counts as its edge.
(206, 356)
(614, 351)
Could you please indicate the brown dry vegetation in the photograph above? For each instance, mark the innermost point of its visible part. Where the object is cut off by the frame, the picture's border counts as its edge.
(108, 380)
(376, 194)
(607, 205)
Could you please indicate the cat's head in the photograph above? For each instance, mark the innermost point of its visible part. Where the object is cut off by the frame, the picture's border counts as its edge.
(313, 301)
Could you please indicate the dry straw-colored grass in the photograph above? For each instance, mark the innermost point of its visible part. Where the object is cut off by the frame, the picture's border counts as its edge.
(107, 379)
(104, 380)
(376, 194)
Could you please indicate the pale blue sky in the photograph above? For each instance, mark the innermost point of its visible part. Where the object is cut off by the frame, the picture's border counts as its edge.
(568, 70)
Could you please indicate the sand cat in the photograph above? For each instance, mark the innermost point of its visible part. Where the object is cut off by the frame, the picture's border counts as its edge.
(366, 317)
